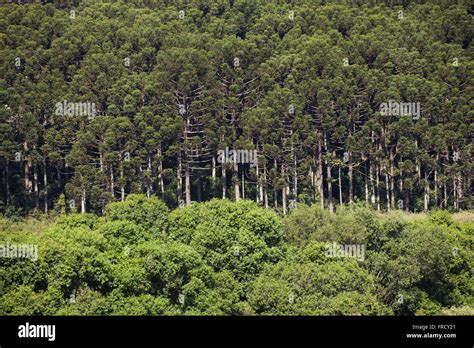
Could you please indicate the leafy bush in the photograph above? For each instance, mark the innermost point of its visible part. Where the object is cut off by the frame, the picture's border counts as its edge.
(151, 214)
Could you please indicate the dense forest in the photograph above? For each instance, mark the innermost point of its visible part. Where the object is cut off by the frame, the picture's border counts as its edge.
(236, 157)
(237, 258)
(339, 101)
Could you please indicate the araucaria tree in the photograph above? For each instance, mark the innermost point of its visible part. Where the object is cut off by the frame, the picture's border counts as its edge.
(342, 102)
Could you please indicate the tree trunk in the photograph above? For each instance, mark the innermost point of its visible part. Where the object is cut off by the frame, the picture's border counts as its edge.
(340, 186)
(259, 184)
(259, 191)
(319, 174)
(83, 201)
(45, 182)
(460, 190)
(36, 190)
(372, 185)
(445, 200)
(265, 183)
(243, 183)
(426, 196)
(148, 176)
(213, 169)
(295, 179)
(351, 179)
(436, 182)
(179, 180)
(187, 183)
(392, 180)
(407, 199)
(224, 181)
(27, 168)
(112, 181)
(329, 179)
(455, 191)
(160, 173)
(122, 188)
(377, 186)
(235, 177)
(366, 182)
(275, 191)
(7, 182)
(284, 190)
(187, 174)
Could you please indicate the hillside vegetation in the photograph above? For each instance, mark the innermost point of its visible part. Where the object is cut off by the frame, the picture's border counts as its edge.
(312, 101)
(227, 258)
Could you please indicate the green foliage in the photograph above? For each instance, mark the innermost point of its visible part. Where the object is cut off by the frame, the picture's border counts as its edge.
(309, 289)
(302, 83)
(227, 258)
(22, 300)
(238, 237)
(349, 225)
(151, 214)
(441, 217)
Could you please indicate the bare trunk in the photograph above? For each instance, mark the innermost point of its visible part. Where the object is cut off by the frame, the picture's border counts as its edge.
(445, 200)
(259, 194)
(445, 183)
(187, 174)
(101, 161)
(377, 186)
(243, 183)
(7, 182)
(122, 188)
(436, 181)
(36, 190)
(418, 166)
(319, 174)
(179, 181)
(392, 180)
(372, 185)
(213, 169)
(83, 201)
(160, 174)
(275, 191)
(329, 179)
(455, 191)
(235, 177)
(45, 182)
(112, 181)
(351, 179)
(224, 181)
(426, 196)
(366, 182)
(295, 181)
(407, 199)
(27, 168)
(265, 183)
(340, 187)
(460, 191)
(187, 184)
(148, 177)
(284, 190)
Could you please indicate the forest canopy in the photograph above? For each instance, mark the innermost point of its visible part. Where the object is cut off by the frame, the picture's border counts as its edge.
(326, 102)
(236, 157)
(236, 258)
